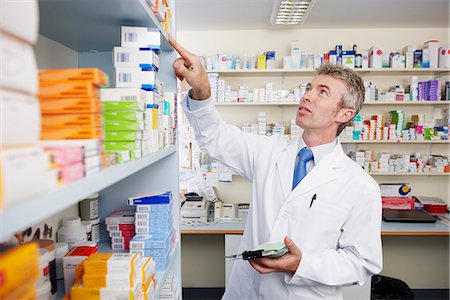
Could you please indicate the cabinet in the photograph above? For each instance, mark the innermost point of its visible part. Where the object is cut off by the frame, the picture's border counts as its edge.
(92, 29)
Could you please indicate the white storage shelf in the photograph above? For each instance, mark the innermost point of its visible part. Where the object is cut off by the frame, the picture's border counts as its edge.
(446, 102)
(395, 142)
(376, 72)
(41, 207)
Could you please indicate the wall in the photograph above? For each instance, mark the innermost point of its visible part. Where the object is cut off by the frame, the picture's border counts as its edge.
(408, 258)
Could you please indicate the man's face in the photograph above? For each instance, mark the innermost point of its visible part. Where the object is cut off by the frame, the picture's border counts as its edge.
(320, 106)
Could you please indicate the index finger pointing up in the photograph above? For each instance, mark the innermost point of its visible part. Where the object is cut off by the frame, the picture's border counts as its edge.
(186, 55)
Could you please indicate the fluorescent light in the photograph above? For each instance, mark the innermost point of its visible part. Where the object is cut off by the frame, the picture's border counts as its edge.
(290, 12)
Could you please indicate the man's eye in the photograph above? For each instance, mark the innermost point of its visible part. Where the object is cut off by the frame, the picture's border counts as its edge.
(323, 92)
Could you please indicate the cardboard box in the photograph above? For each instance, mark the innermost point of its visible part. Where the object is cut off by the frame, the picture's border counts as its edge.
(117, 136)
(62, 156)
(71, 172)
(136, 78)
(395, 189)
(433, 47)
(119, 280)
(135, 58)
(27, 166)
(91, 147)
(70, 105)
(19, 265)
(17, 65)
(78, 292)
(141, 37)
(348, 59)
(20, 118)
(21, 19)
(75, 89)
(123, 105)
(130, 94)
(62, 120)
(72, 133)
(444, 57)
(115, 125)
(124, 115)
(92, 75)
(122, 146)
(110, 263)
(72, 260)
(376, 57)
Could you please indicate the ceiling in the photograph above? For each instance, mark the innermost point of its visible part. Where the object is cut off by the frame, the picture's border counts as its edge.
(196, 15)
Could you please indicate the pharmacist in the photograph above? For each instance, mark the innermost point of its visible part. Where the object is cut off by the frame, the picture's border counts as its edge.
(306, 191)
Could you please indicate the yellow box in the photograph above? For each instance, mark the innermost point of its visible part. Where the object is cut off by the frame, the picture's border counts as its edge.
(108, 263)
(63, 120)
(76, 89)
(78, 292)
(261, 62)
(71, 105)
(25, 292)
(72, 133)
(92, 75)
(119, 280)
(17, 266)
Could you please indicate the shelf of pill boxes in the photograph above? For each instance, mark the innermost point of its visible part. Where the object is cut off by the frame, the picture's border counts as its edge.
(89, 26)
(439, 102)
(293, 72)
(30, 212)
(407, 174)
(395, 142)
(105, 247)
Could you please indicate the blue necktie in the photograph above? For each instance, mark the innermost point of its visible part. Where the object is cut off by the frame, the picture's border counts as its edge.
(304, 156)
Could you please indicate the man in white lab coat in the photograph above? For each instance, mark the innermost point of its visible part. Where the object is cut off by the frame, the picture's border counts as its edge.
(306, 191)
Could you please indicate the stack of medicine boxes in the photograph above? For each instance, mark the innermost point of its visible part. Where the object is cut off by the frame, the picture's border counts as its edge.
(115, 276)
(23, 162)
(121, 229)
(131, 109)
(71, 111)
(154, 227)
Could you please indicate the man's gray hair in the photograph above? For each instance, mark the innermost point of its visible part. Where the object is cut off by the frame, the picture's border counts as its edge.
(354, 96)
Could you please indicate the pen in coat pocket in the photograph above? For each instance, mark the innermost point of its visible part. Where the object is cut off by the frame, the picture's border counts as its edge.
(312, 200)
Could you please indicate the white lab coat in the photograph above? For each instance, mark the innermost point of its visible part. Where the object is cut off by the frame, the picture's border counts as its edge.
(339, 235)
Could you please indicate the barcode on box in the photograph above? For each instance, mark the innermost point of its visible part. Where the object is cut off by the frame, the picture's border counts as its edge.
(123, 57)
(124, 77)
(142, 230)
(131, 37)
(134, 245)
(115, 234)
(117, 240)
(142, 216)
(140, 252)
(143, 208)
(117, 246)
(141, 223)
(128, 98)
(112, 227)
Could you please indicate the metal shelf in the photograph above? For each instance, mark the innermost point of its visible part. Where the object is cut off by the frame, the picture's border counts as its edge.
(38, 208)
(94, 25)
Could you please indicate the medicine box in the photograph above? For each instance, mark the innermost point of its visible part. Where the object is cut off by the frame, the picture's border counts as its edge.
(143, 58)
(17, 65)
(348, 59)
(92, 75)
(123, 146)
(121, 226)
(90, 146)
(70, 105)
(418, 59)
(146, 241)
(444, 57)
(153, 215)
(433, 47)
(78, 292)
(116, 125)
(136, 78)
(409, 59)
(117, 280)
(67, 120)
(376, 57)
(154, 207)
(116, 136)
(130, 94)
(154, 223)
(141, 37)
(150, 252)
(124, 115)
(69, 89)
(71, 260)
(109, 263)
(72, 133)
(26, 27)
(16, 108)
(150, 198)
(395, 189)
(122, 105)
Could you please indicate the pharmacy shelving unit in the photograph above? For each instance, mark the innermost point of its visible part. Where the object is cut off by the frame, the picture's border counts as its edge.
(92, 29)
(239, 112)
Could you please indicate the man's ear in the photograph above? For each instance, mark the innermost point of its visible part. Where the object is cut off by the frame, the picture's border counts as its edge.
(345, 115)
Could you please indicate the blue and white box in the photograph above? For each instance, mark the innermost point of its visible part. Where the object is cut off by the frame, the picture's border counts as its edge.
(141, 37)
(150, 199)
(148, 241)
(137, 78)
(144, 58)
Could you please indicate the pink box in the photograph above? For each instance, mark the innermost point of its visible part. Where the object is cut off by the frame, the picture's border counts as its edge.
(72, 172)
(62, 156)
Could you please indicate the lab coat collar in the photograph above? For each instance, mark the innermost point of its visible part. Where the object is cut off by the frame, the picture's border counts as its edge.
(324, 171)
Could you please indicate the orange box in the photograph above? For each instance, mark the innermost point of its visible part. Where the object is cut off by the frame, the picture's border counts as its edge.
(72, 133)
(70, 105)
(92, 75)
(75, 89)
(62, 120)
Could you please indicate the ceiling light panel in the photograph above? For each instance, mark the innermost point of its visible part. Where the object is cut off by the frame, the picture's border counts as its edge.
(290, 12)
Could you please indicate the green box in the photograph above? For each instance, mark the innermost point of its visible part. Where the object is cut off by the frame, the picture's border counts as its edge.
(115, 125)
(117, 136)
(122, 146)
(123, 105)
(121, 115)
